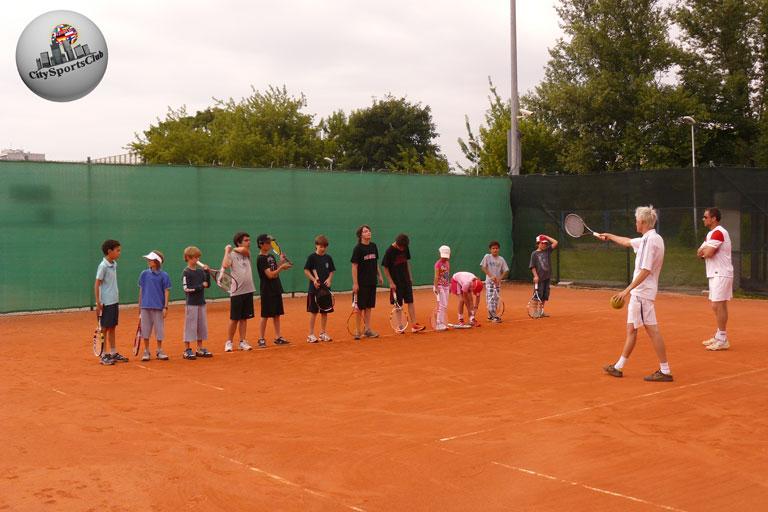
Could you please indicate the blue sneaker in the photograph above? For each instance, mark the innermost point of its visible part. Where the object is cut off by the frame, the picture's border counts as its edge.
(188, 354)
(118, 358)
(106, 360)
(282, 341)
(203, 352)
(262, 343)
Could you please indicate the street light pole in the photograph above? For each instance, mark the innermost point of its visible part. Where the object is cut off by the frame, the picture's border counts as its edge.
(691, 121)
(513, 145)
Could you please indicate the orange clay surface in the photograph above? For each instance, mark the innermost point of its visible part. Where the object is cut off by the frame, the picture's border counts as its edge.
(511, 416)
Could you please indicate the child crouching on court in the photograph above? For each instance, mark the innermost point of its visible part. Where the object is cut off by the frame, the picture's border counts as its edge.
(442, 285)
(468, 287)
(154, 292)
(194, 281)
(319, 269)
(541, 267)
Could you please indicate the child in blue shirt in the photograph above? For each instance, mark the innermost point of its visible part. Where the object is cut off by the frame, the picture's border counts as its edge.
(154, 294)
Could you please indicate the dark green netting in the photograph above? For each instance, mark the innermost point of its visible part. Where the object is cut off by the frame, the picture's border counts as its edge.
(54, 217)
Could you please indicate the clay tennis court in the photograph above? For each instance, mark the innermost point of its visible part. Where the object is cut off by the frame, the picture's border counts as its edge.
(511, 416)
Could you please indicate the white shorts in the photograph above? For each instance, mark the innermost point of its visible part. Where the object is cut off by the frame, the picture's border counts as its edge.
(641, 312)
(720, 289)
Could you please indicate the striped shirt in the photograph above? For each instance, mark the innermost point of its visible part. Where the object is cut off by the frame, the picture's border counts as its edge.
(649, 250)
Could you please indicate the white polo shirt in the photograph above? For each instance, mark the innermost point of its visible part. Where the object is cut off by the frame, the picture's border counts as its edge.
(649, 250)
(719, 264)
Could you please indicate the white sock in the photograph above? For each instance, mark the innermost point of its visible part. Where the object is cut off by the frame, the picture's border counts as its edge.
(720, 335)
(664, 367)
(620, 363)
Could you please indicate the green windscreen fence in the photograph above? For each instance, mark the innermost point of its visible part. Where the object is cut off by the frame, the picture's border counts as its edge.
(54, 217)
(607, 203)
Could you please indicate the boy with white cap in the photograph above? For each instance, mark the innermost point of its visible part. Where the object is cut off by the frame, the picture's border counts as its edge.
(154, 293)
(442, 285)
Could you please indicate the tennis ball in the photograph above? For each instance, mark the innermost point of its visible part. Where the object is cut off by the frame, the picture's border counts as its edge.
(617, 303)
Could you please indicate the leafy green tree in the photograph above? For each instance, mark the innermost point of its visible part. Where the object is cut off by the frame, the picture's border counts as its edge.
(487, 151)
(392, 134)
(720, 42)
(180, 139)
(264, 129)
(603, 95)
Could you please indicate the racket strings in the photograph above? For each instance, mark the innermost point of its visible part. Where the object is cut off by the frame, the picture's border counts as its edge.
(574, 225)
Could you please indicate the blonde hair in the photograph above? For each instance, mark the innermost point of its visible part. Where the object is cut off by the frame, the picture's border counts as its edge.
(647, 214)
(192, 252)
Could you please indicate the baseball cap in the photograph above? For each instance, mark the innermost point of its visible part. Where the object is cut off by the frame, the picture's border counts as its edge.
(445, 251)
(153, 256)
(477, 286)
(263, 238)
(542, 238)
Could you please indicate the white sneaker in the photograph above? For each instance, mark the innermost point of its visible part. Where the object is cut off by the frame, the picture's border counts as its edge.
(244, 345)
(147, 356)
(228, 346)
(312, 339)
(324, 337)
(441, 327)
(709, 341)
(161, 355)
(719, 345)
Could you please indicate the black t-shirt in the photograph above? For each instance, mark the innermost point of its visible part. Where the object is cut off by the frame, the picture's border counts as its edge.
(367, 258)
(541, 261)
(193, 279)
(396, 262)
(322, 264)
(268, 286)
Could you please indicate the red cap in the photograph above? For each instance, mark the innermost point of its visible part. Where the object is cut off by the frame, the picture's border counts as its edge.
(542, 238)
(477, 286)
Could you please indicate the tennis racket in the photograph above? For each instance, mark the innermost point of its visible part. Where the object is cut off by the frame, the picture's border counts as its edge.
(398, 317)
(223, 279)
(279, 252)
(323, 297)
(535, 305)
(354, 319)
(137, 340)
(98, 338)
(575, 226)
(499, 303)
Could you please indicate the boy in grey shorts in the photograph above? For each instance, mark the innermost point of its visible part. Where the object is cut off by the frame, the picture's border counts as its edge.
(194, 282)
(154, 293)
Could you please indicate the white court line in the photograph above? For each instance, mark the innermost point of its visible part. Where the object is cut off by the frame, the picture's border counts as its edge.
(588, 487)
(605, 404)
(251, 468)
(217, 388)
(287, 482)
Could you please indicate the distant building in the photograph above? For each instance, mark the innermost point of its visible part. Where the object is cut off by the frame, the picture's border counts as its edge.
(20, 154)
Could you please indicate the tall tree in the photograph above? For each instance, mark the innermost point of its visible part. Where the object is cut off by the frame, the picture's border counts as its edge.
(487, 151)
(720, 41)
(262, 130)
(392, 134)
(603, 92)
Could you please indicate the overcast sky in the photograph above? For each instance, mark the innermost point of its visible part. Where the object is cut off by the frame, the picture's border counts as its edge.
(339, 53)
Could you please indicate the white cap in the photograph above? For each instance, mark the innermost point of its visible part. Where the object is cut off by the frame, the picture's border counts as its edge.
(445, 251)
(153, 256)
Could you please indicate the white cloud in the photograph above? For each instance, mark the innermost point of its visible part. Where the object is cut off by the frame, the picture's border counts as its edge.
(339, 53)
